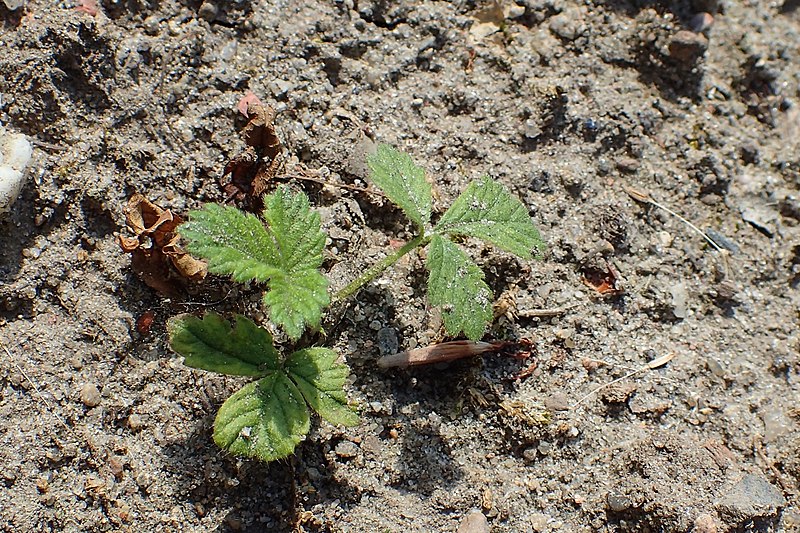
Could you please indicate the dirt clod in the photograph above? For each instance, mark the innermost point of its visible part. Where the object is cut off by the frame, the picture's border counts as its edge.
(687, 46)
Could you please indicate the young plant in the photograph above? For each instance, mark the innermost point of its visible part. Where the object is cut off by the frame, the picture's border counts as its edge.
(485, 210)
(267, 418)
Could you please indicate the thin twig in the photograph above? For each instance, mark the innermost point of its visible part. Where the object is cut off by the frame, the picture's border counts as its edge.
(543, 313)
(652, 365)
(49, 146)
(35, 387)
(340, 185)
(644, 197)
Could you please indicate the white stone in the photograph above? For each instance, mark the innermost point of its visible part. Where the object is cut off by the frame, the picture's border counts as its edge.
(14, 4)
(15, 154)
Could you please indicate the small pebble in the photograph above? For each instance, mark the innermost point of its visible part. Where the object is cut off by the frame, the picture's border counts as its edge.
(529, 454)
(116, 466)
(618, 502)
(90, 395)
(540, 522)
(346, 449)
(665, 239)
(208, 11)
(776, 423)
(701, 22)
(372, 444)
(628, 164)
(387, 341)
(9, 476)
(680, 298)
(715, 367)
(135, 422)
(151, 25)
(705, 523)
(14, 4)
(722, 240)
(545, 448)
(474, 522)
(687, 46)
(567, 25)
(752, 498)
(531, 129)
(558, 401)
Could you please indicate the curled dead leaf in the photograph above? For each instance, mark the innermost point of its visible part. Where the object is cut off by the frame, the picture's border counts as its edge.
(251, 171)
(154, 246)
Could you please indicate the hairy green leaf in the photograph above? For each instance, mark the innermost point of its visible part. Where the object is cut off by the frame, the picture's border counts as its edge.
(486, 210)
(211, 344)
(297, 301)
(299, 293)
(321, 381)
(295, 229)
(287, 254)
(456, 284)
(403, 182)
(233, 242)
(265, 419)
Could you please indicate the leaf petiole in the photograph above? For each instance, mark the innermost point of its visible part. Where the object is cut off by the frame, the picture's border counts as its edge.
(375, 270)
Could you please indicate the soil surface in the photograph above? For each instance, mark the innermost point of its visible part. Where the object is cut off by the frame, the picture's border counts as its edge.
(570, 104)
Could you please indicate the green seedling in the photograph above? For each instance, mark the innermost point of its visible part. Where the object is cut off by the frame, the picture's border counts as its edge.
(268, 417)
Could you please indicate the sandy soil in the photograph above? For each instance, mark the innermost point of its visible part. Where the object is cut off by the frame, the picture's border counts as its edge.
(567, 103)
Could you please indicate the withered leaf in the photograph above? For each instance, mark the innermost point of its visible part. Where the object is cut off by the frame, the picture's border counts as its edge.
(154, 246)
(251, 171)
(188, 266)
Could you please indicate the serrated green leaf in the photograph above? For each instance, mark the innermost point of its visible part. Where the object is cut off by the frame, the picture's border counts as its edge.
(296, 301)
(265, 419)
(295, 229)
(321, 381)
(299, 293)
(287, 254)
(211, 344)
(486, 210)
(403, 182)
(456, 284)
(234, 243)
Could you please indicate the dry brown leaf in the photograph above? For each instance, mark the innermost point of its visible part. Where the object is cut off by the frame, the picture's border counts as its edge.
(154, 246)
(252, 170)
(185, 264)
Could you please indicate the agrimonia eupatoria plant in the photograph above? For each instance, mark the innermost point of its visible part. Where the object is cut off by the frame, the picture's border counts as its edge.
(269, 416)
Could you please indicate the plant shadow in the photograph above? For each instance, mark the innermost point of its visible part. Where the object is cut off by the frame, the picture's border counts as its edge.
(251, 495)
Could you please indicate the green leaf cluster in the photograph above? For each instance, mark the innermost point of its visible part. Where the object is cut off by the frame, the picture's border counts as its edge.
(268, 417)
(286, 254)
(485, 210)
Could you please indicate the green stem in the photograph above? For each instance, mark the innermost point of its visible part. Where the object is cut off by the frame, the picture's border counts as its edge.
(376, 269)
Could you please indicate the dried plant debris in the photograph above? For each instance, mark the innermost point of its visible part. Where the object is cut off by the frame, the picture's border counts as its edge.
(453, 350)
(646, 198)
(251, 171)
(603, 278)
(155, 246)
